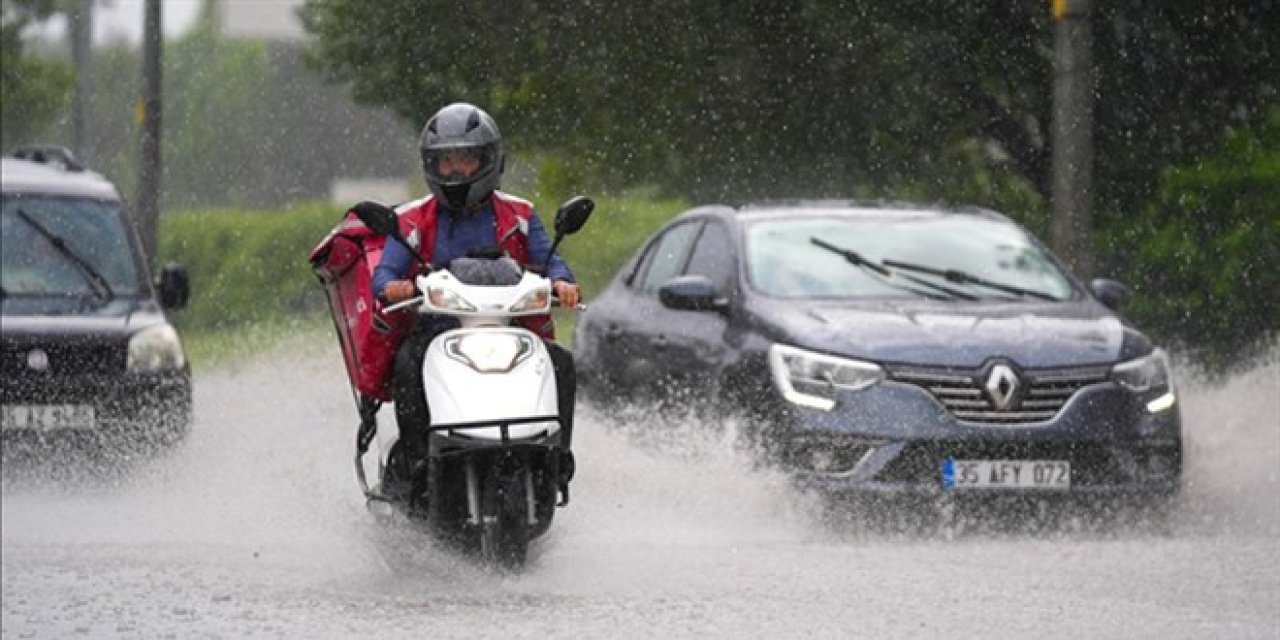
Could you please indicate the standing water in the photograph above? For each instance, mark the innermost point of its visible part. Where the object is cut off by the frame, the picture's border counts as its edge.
(254, 527)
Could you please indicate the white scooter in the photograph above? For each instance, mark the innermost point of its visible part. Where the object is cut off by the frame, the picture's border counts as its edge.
(497, 462)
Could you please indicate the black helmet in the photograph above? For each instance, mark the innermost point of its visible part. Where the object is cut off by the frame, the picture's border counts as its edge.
(462, 130)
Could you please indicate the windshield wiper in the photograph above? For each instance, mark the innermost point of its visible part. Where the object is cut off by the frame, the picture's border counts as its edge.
(850, 256)
(955, 275)
(102, 288)
(856, 259)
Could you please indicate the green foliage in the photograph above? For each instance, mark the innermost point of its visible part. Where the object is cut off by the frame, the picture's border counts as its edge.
(616, 229)
(34, 92)
(244, 124)
(1204, 255)
(250, 277)
(210, 86)
(999, 188)
(246, 267)
(713, 101)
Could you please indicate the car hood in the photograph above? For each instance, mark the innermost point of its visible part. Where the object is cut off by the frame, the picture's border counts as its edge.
(121, 318)
(959, 335)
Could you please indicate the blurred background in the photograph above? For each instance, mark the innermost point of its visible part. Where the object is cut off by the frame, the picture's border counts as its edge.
(276, 115)
(1141, 139)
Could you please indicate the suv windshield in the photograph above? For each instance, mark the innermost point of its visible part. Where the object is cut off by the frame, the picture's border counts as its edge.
(783, 261)
(93, 231)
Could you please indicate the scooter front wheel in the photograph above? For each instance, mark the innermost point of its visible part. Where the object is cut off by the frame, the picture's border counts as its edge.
(504, 528)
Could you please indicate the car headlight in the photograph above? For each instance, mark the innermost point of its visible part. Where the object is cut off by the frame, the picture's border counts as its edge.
(812, 379)
(489, 351)
(1149, 374)
(155, 349)
(447, 300)
(537, 300)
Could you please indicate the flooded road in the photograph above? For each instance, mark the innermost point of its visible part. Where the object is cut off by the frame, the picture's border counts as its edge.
(255, 528)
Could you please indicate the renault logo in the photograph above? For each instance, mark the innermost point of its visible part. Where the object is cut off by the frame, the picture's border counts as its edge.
(1002, 385)
(38, 360)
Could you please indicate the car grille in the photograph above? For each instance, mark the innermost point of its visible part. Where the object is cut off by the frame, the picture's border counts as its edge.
(1040, 395)
(63, 358)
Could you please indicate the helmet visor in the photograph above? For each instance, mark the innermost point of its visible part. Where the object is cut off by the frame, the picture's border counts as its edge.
(458, 165)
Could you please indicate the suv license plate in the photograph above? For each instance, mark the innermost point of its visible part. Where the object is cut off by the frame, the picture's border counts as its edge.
(1006, 474)
(47, 417)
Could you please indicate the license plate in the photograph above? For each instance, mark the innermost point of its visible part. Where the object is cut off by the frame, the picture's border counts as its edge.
(47, 417)
(1006, 474)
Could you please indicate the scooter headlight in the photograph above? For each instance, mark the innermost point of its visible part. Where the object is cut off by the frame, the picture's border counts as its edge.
(446, 300)
(1148, 375)
(811, 379)
(537, 300)
(489, 351)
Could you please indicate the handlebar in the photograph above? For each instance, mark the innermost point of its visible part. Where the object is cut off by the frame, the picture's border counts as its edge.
(416, 300)
(409, 302)
(555, 302)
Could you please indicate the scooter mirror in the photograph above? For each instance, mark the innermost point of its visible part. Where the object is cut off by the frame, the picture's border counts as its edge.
(573, 214)
(384, 221)
(378, 217)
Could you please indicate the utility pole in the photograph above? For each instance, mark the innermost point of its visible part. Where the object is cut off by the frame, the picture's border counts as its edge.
(149, 167)
(81, 30)
(1073, 84)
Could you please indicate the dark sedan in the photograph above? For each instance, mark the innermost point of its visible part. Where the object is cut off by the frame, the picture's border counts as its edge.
(886, 348)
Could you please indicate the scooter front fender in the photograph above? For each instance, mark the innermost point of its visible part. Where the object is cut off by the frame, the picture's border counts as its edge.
(459, 393)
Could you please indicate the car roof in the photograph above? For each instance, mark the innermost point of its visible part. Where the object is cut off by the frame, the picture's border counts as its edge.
(878, 209)
(19, 176)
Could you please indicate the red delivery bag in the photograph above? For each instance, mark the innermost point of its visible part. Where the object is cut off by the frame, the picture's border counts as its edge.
(344, 262)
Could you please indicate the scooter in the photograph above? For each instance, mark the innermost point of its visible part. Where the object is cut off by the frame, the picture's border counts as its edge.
(496, 461)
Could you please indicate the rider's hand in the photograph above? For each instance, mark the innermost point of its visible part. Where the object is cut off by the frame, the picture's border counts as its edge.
(398, 290)
(566, 291)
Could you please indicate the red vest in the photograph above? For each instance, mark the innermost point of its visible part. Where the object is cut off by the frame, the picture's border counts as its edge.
(511, 214)
(345, 260)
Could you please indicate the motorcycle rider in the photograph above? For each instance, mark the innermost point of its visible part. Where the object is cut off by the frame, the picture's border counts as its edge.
(465, 214)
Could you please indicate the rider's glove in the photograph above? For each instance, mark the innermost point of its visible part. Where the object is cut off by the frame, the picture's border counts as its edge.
(398, 290)
(566, 291)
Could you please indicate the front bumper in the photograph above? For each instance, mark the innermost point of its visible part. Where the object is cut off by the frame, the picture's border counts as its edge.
(894, 438)
(129, 409)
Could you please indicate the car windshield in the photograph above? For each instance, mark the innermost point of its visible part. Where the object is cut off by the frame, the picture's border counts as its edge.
(96, 259)
(784, 261)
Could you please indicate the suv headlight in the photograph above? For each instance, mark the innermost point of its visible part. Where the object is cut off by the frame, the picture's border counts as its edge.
(812, 379)
(489, 351)
(1149, 374)
(155, 349)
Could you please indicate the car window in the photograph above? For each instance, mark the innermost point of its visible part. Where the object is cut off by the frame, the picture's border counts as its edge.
(31, 264)
(783, 261)
(666, 257)
(713, 256)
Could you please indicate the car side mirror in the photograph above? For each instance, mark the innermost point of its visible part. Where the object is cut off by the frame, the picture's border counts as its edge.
(1110, 293)
(174, 286)
(691, 293)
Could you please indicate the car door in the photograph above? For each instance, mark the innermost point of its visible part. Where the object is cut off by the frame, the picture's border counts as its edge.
(633, 335)
(691, 344)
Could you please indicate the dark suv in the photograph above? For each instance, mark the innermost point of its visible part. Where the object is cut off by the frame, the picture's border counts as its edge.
(87, 353)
